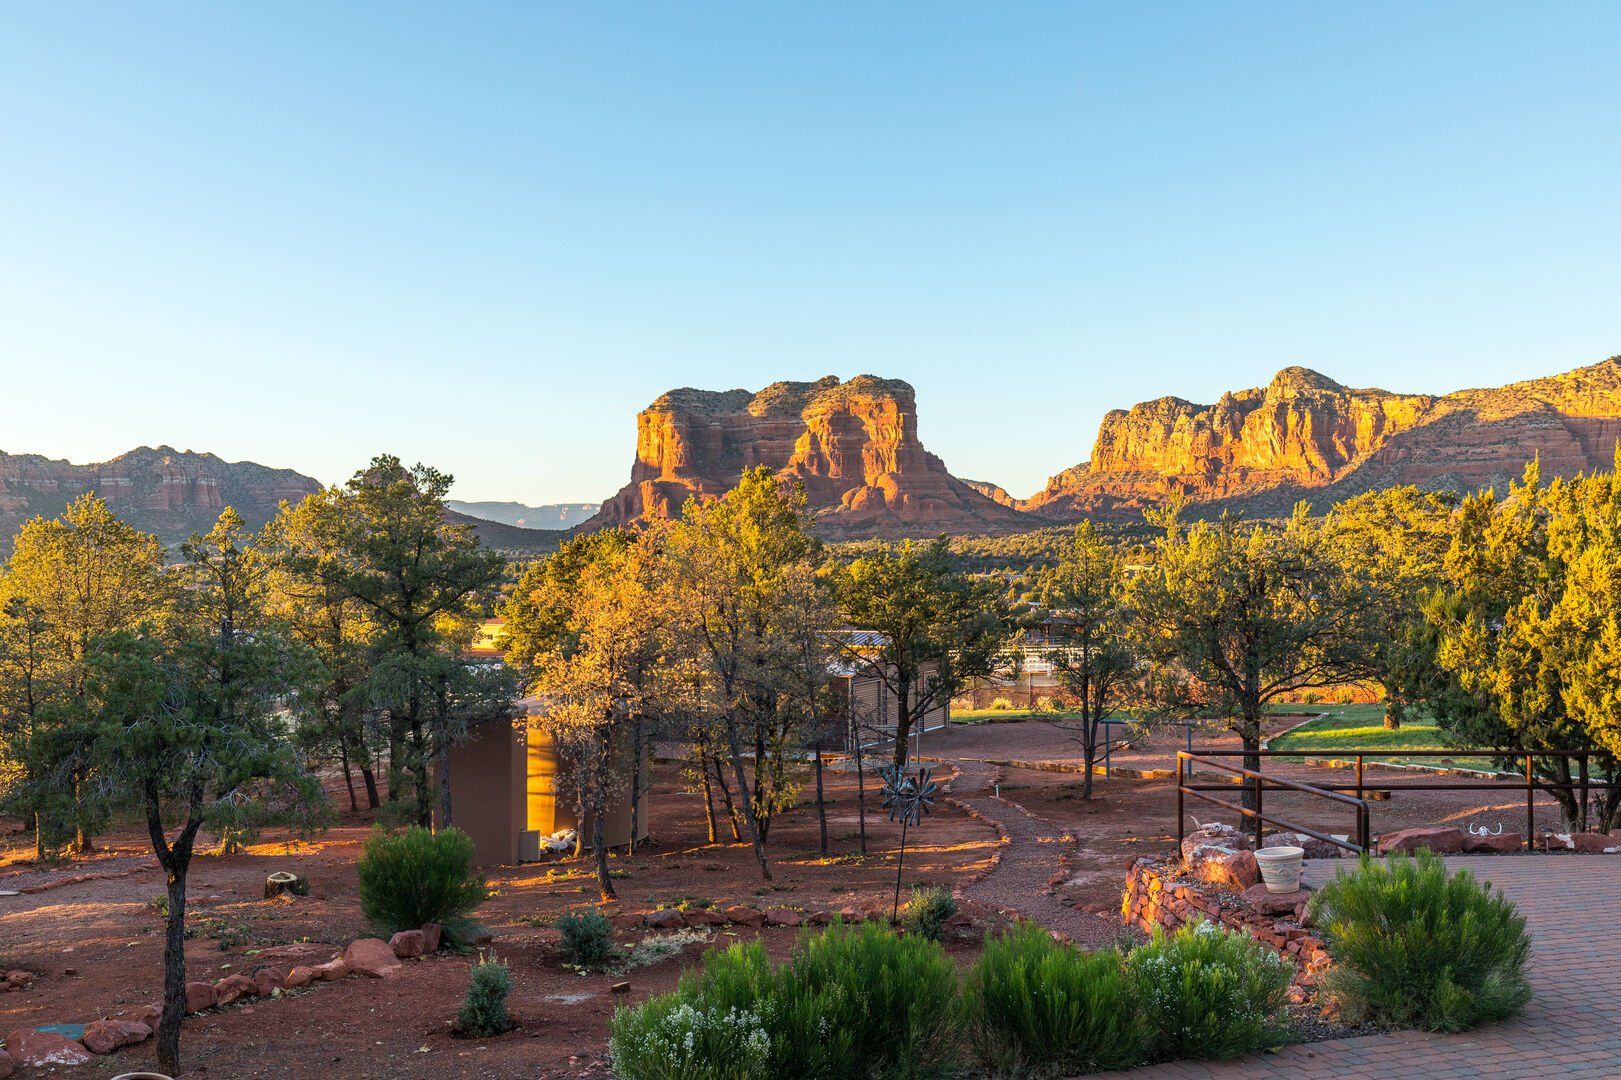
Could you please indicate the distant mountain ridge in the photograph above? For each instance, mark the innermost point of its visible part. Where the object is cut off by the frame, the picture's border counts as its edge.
(549, 516)
(174, 493)
(162, 490)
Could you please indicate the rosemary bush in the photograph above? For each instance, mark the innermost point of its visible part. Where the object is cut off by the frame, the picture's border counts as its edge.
(1417, 946)
(1035, 1007)
(1209, 993)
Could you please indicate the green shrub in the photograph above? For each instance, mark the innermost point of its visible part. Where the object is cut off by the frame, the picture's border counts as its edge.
(894, 997)
(1002, 704)
(1207, 993)
(927, 911)
(587, 940)
(418, 877)
(713, 1026)
(1035, 1007)
(484, 1012)
(851, 1003)
(1417, 946)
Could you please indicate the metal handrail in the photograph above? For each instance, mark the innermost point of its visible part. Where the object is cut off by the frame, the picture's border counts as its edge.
(1529, 783)
(1261, 783)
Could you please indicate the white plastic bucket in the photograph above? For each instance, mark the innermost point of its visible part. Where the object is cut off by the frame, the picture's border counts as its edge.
(1280, 868)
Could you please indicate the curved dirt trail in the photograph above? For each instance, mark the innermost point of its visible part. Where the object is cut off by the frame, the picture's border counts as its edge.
(1029, 860)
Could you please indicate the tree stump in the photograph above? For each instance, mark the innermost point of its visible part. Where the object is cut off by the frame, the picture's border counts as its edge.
(281, 883)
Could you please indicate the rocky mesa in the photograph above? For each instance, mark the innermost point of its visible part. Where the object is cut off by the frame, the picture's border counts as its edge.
(1304, 436)
(852, 444)
(157, 489)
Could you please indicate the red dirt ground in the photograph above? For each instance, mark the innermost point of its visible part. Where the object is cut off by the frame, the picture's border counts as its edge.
(97, 945)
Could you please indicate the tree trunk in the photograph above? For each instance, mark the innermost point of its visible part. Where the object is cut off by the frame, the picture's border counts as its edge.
(709, 796)
(1392, 721)
(176, 862)
(821, 804)
(368, 776)
(1089, 751)
(348, 774)
(732, 816)
(635, 779)
(445, 820)
(599, 848)
(1250, 734)
(81, 832)
(903, 721)
(743, 797)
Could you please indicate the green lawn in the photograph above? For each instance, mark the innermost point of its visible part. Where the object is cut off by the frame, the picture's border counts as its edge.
(1348, 728)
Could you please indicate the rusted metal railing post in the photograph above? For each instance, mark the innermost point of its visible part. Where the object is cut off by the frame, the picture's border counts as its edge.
(1259, 787)
(1582, 764)
(1180, 814)
(1359, 793)
(1530, 808)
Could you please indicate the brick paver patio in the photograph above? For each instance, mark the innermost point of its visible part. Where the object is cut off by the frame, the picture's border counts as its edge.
(1572, 1026)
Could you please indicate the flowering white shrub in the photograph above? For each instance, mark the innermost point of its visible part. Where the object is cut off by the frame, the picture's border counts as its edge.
(670, 1039)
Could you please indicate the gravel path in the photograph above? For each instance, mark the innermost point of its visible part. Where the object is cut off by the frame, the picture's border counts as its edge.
(1029, 860)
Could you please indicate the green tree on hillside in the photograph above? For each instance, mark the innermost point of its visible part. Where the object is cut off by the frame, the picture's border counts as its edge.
(307, 592)
(1092, 653)
(421, 580)
(1528, 625)
(188, 726)
(1234, 616)
(1396, 541)
(936, 630)
(68, 582)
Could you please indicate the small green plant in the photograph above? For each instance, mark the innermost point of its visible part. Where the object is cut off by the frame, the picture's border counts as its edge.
(484, 1012)
(1417, 946)
(893, 998)
(656, 948)
(417, 877)
(1035, 1007)
(587, 940)
(1209, 993)
(1002, 704)
(927, 912)
(159, 905)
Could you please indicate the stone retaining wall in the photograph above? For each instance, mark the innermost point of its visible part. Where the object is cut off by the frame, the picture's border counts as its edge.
(1154, 897)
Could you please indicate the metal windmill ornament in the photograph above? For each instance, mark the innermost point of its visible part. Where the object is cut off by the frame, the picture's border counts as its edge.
(908, 799)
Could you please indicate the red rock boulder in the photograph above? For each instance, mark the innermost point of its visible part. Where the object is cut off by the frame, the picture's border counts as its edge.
(338, 970)
(1258, 898)
(7, 1067)
(105, 1036)
(268, 980)
(1439, 839)
(45, 1048)
(742, 915)
(229, 989)
(432, 933)
(408, 943)
(300, 976)
(782, 917)
(704, 917)
(1507, 843)
(371, 957)
(1233, 871)
(665, 919)
(199, 996)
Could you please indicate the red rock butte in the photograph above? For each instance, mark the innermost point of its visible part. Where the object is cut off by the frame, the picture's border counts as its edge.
(853, 445)
(1304, 435)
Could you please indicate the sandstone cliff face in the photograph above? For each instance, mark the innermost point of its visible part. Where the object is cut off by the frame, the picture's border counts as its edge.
(1306, 436)
(853, 445)
(159, 490)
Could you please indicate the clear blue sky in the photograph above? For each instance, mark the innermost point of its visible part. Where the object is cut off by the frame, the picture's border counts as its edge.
(485, 235)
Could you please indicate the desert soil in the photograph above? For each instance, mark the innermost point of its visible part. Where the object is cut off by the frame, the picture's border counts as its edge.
(96, 943)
